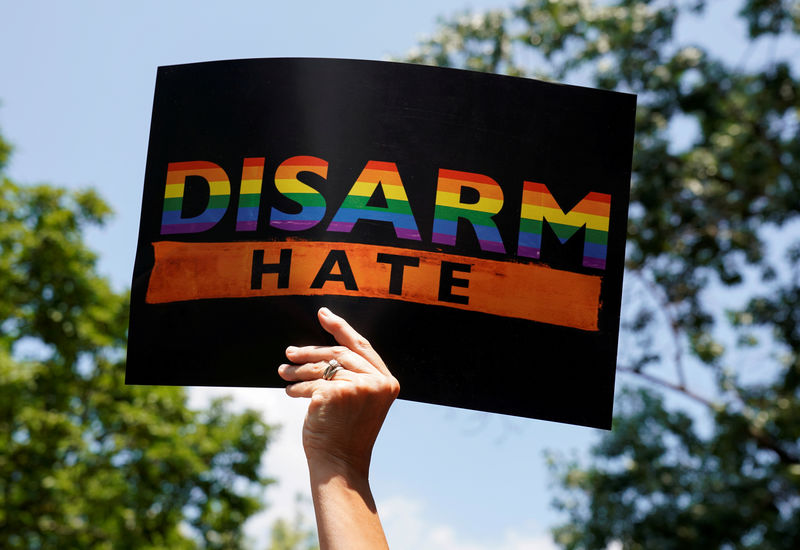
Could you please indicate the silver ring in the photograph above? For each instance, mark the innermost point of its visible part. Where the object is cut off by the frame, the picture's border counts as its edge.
(330, 371)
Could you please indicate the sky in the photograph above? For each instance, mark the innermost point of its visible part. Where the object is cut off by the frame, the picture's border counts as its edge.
(76, 90)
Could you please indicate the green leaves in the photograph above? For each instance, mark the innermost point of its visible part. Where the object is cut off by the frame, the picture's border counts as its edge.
(86, 461)
(712, 300)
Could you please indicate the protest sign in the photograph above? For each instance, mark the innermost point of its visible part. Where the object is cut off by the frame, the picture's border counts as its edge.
(471, 226)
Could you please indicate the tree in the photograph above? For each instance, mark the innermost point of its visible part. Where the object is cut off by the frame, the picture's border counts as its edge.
(294, 535)
(86, 461)
(713, 277)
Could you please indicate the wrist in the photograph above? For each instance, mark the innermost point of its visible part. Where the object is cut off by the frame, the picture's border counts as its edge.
(324, 465)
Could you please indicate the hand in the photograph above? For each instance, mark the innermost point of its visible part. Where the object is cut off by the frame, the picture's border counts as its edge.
(346, 412)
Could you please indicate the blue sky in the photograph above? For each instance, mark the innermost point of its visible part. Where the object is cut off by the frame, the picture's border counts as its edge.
(75, 99)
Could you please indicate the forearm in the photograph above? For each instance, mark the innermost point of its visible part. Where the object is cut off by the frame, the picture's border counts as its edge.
(347, 518)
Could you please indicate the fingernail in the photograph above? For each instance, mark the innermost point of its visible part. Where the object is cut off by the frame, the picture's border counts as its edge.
(291, 349)
(325, 312)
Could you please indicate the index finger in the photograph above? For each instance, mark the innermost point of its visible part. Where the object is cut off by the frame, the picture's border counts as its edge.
(347, 336)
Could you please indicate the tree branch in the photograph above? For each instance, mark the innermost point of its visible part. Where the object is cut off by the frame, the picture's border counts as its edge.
(670, 385)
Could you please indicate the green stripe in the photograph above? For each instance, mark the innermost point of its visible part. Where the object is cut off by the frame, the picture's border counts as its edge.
(249, 200)
(452, 214)
(307, 199)
(596, 237)
(563, 231)
(394, 206)
(175, 203)
(219, 201)
(530, 226)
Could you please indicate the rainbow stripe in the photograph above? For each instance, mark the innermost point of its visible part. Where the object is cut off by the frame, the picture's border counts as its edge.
(311, 201)
(538, 205)
(397, 210)
(250, 194)
(449, 209)
(220, 195)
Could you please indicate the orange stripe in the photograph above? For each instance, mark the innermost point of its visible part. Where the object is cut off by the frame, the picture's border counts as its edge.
(192, 271)
(288, 172)
(305, 161)
(464, 176)
(386, 177)
(192, 165)
(381, 166)
(486, 189)
(251, 162)
(587, 206)
(252, 173)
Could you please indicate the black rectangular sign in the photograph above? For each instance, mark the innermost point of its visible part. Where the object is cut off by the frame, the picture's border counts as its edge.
(471, 226)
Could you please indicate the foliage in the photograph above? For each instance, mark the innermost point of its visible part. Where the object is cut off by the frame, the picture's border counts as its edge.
(294, 535)
(86, 461)
(713, 279)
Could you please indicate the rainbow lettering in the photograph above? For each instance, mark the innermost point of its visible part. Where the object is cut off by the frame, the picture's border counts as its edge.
(250, 194)
(449, 209)
(311, 201)
(220, 191)
(538, 205)
(397, 210)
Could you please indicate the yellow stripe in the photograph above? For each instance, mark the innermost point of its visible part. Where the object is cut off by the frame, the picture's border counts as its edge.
(363, 188)
(173, 191)
(485, 204)
(293, 186)
(251, 187)
(219, 187)
(555, 215)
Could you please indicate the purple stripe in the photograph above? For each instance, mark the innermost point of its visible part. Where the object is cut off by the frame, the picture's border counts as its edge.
(293, 225)
(412, 234)
(170, 229)
(248, 225)
(344, 227)
(444, 238)
(594, 262)
(528, 252)
(492, 246)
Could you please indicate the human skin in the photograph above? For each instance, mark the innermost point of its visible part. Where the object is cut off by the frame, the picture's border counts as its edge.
(344, 417)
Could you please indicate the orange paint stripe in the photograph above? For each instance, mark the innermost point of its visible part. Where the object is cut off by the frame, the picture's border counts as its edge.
(192, 271)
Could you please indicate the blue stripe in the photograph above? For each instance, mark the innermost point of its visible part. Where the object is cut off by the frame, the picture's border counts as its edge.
(488, 233)
(309, 213)
(248, 214)
(352, 215)
(593, 250)
(531, 240)
(212, 215)
(445, 227)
